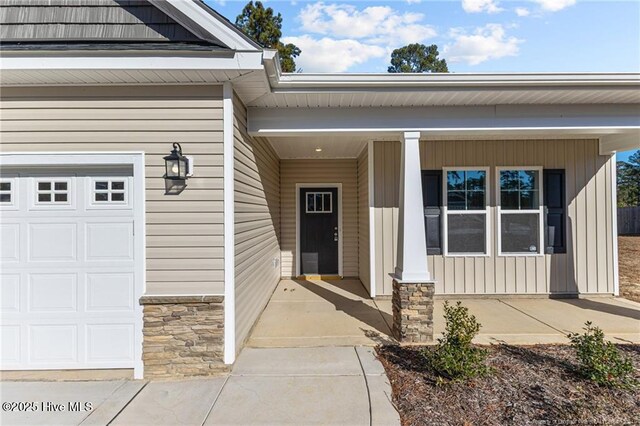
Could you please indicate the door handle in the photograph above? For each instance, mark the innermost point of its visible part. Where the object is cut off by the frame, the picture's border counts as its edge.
(335, 236)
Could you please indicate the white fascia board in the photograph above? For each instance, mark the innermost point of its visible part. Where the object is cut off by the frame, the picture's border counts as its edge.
(206, 21)
(610, 144)
(594, 118)
(230, 61)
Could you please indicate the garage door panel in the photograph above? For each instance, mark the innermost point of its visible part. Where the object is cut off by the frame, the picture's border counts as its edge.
(53, 292)
(11, 344)
(10, 242)
(10, 293)
(110, 342)
(69, 286)
(53, 242)
(110, 292)
(53, 343)
(109, 241)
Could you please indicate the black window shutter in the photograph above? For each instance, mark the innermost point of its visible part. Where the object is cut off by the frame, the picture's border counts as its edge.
(432, 202)
(555, 221)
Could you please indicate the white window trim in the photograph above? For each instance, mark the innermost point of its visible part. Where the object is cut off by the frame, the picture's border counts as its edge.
(13, 181)
(340, 209)
(315, 211)
(51, 205)
(114, 205)
(539, 210)
(445, 212)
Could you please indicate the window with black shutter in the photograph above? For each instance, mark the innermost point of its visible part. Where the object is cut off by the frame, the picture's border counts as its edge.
(432, 202)
(555, 221)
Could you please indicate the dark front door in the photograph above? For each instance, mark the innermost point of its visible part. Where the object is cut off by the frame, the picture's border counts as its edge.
(319, 231)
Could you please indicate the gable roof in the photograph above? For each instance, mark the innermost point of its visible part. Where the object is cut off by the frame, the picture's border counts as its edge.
(114, 24)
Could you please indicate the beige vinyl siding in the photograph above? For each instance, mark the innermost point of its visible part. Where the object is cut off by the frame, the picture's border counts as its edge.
(363, 218)
(184, 232)
(257, 223)
(587, 267)
(319, 171)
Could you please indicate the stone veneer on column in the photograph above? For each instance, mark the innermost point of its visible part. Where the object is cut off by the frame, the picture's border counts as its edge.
(183, 336)
(413, 311)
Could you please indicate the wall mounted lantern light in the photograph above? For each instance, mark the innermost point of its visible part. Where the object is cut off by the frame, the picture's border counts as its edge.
(178, 168)
(176, 164)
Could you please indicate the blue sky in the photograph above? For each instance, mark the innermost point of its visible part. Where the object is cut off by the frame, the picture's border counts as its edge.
(473, 35)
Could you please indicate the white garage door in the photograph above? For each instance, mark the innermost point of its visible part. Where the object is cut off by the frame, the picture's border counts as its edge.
(68, 275)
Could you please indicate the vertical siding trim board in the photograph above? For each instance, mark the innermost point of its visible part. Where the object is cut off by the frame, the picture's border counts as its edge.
(614, 221)
(372, 224)
(340, 210)
(229, 232)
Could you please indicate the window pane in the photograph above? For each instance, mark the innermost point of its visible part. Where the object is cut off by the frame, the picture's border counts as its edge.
(117, 196)
(520, 233)
(327, 202)
(101, 196)
(102, 185)
(310, 202)
(476, 180)
(118, 186)
(5, 186)
(44, 198)
(44, 186)
(456, 200)
(509, 180)
(509, 200)
(60, 197)
(60, 186)
(529, 200)
(455, 180)
(318, 202)
(528, 179)
(5, 198)
(475, 200)
(466, 233)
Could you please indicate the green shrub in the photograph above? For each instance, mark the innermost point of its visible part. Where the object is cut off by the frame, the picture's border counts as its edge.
(454, 357)
(601, 361)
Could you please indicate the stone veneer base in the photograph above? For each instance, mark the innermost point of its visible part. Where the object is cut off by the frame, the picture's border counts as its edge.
(413, 312)
(183, 336)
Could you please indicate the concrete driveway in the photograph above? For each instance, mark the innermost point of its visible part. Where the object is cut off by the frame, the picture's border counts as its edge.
(302, 386)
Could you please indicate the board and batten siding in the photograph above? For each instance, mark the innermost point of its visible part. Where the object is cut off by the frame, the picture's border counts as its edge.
(588, 265)
(344, 171)
(184, 243)
(257, 224)
(363, 218)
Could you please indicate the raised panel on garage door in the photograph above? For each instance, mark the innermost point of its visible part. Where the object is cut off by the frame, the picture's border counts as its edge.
(68, 270)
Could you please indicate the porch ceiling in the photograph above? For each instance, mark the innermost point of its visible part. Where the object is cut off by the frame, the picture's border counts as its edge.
(331, 145)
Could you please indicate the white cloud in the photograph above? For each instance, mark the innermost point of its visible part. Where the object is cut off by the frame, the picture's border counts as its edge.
(488, 42)
(522, 11)
(555, 5)
(477, 6)
(413, 1)
(376, 24)
(331, 55)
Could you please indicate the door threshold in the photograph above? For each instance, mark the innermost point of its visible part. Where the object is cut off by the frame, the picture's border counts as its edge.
(319, 277)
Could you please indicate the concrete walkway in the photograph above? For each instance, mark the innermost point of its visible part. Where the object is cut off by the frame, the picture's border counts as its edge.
(302, 386)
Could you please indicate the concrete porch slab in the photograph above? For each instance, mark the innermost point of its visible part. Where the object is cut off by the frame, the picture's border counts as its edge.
(58, 393)
(259, 400)
(185, 402)
(619, 320)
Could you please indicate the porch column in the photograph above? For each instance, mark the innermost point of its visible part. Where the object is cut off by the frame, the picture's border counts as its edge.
(412, 285)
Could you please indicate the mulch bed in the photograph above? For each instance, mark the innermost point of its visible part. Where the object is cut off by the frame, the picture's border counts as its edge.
(532, 385)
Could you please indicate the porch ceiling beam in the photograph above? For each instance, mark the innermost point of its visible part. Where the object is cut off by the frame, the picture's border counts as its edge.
(606, 118)
(610, 144)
